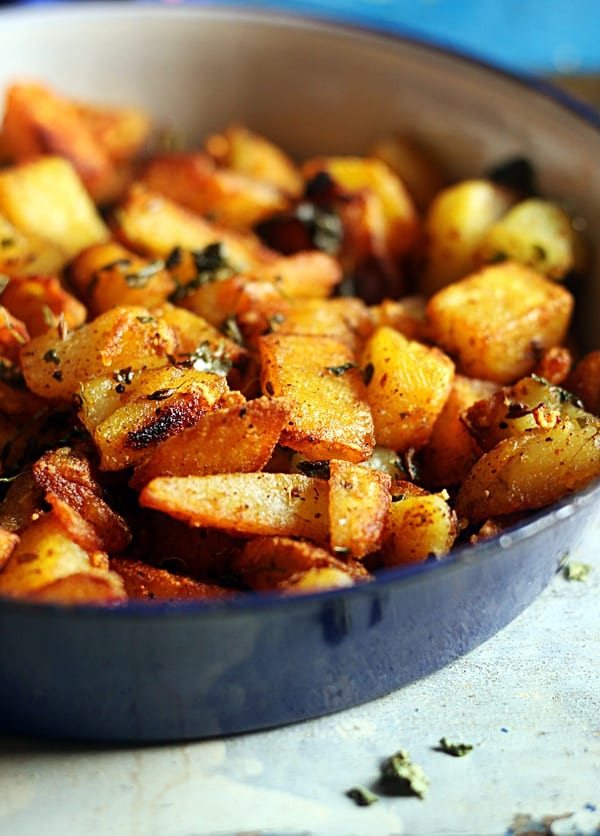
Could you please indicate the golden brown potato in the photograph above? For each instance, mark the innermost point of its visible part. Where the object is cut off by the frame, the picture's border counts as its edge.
(452, 450)
(46, 199)
(518, 474)
(413, 163)
(239, 438)
(288, 504)
(497, 321)
(455, 223)
(329, 415)
(287, 565)
(538, 233)
(359, 499)
(249, 153)
(54, 364)
(53, 547)
(38, 122)
(151, 583)
(407, 386)
(228, 197)
(128, 421)
(40, 302)
(419, 525)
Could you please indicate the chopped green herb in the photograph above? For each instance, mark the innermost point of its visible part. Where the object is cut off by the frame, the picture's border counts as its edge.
(210, 264)
(401, 776)
(457, 750)
(146, 320)
(324, 226)
(338, 371)
(576, 571)
(161, 394)
(140, 277)
(208, 359)
(367, 373)
(540, 252)
(52, 357)
(318, 469)
(231, 330)
(362, 796)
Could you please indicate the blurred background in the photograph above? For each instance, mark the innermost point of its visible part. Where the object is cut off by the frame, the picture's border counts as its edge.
(559, 39)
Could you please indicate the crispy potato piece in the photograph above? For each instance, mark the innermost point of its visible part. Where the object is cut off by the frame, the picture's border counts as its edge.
(419, 525)
(329, 415)
(455, 225)
(57, 545)
(54, 364)
(359, 498)
(245, 503)
(497, 321)
(452, 450)
(408, 384)
(240, 438)
(284, 564)
(108, 274)
(228, 197)
(94, 586)
(38, 121)
(518, 474)
(69, 476)
(413, 163)
(154, 225)
(152, 583)
(26, 254)
(121, 132)
(40, 302)
(156, 405)
(46, 199)
(303, 275)
(538, 233)
(251, 154)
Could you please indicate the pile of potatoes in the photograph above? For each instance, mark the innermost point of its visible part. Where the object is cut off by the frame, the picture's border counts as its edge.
(223, 370)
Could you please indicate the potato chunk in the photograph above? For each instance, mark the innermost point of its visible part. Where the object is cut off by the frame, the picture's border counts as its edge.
(329, 415)
(245, 503)
(239, 438)
(497, 321)
(359, 498)
(287, 565)
(407, 386)
(530, 471)
(54, 364)
(419, 525)
(455, 224)
(538, 233)
(45, 198)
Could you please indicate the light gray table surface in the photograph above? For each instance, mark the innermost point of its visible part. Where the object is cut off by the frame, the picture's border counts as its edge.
(528, 700)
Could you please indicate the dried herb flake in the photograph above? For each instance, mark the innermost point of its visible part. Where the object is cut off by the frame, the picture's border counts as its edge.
(457, 750)
(577, 571)
(400, 776)
(362, 796)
